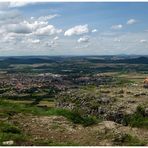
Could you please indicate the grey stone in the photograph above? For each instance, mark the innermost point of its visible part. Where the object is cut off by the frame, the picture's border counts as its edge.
(105, 100)
(146, 111)
(11, 142)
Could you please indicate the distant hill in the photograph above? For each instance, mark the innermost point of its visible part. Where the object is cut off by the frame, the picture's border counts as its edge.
(92, 59)
(29, 60)
(139, 60)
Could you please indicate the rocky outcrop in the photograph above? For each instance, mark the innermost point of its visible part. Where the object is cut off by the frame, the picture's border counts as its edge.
(86, 102)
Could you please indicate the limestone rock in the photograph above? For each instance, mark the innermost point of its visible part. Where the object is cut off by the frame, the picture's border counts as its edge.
(11, 142)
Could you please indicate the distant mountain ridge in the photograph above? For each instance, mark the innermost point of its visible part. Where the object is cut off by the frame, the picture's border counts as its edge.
(93, 59)
(139, 60)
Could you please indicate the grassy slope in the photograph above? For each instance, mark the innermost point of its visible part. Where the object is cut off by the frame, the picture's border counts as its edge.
(8, 108)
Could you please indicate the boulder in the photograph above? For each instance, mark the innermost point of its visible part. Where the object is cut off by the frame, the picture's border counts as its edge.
(146, 112)
(116, 116)
(104, 100)
(10, 142)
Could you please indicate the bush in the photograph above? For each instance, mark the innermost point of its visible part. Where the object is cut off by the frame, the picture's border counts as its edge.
(140, 110)
(8, 128)
(11, 132)
(138, 119)
(123, 81)
(75, 117)
(127, 140)
(90, 120)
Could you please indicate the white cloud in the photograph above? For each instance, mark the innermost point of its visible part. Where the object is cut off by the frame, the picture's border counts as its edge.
(143, 41)
(131, 21)
(83, 39)
(117, 40)
(82, 46)
(18, 4)
(48, 30)
(25, 27)
(9, 15)
(48, 17)
(50, 44)
(4, 5)
(35, 27)
(32, 18)
(94, 30)
(117, 27)
(77, 30)
(7, 37)
(18, 28)
(56, 38)
(36, 41)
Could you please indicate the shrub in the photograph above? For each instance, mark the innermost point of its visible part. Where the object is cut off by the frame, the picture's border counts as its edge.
(8, 128)
(140, 110)
(89, 120)
(75, 117)
(138, 119)
(127, 140)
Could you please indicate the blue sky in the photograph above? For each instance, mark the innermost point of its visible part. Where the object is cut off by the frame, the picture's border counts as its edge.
(78, 28)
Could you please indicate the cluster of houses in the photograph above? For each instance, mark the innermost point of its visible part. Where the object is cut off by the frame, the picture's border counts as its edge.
(93, 80)
(25, 81)
(21, 82)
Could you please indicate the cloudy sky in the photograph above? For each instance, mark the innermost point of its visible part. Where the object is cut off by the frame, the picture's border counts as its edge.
(73, 28)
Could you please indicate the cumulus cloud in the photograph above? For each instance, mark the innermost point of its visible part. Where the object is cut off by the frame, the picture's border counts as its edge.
(143, 41)
(50, 44)
(18, 28)
(83, 39)
(48, 30)
(35, 27)
(131, 21)
(7, 37)
(94, 30)
(12, 21)
(77, 30)
(18, 4)
(117, 27)
(9, 15)
(25, 27)
(36, 41)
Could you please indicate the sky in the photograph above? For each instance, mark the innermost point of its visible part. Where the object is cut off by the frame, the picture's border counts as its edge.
(79, 28)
